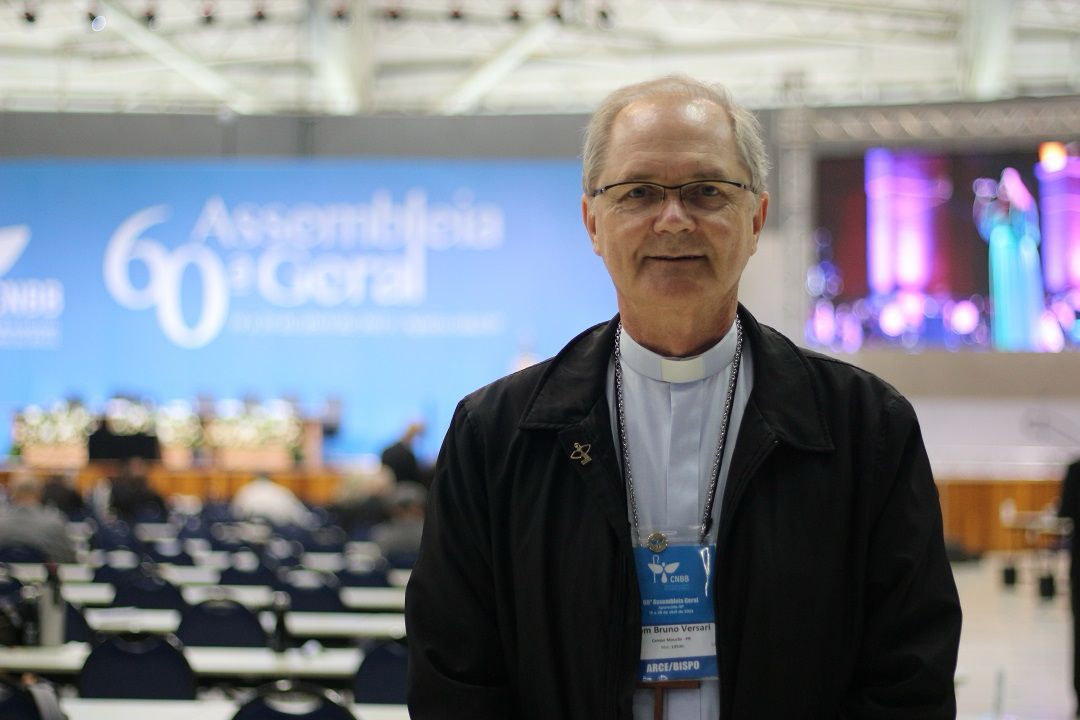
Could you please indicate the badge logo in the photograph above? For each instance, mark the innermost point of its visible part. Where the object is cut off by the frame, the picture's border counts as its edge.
(664, 570)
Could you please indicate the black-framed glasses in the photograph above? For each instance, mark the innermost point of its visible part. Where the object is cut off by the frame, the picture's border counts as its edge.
(701, 195)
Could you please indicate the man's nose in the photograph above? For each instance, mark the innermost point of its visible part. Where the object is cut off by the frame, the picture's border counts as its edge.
(673, 215)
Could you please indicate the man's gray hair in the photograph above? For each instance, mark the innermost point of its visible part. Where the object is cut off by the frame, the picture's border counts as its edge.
(747, 129)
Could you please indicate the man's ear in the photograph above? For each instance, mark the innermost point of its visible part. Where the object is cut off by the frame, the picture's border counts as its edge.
(761, 212)
(589, 219)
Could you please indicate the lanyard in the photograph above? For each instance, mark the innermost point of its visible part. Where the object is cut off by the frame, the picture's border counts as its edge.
(657, 541)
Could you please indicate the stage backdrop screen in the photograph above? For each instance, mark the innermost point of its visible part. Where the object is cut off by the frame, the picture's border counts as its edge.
(969, 250)
(389, 288)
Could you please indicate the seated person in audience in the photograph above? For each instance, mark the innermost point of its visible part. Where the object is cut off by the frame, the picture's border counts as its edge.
(401, 458)
(362, 499)
(58, 492)
(400, 536)
(130, 496)
(24, 521)
(264, 499)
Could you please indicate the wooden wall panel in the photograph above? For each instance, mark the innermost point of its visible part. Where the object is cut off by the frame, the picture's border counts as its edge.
(971, 509)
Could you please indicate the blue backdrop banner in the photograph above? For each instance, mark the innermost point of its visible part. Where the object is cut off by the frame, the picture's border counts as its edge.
(394, 287)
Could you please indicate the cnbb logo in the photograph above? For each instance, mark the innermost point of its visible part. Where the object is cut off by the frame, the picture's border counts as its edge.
(26, 298)
(165, 271)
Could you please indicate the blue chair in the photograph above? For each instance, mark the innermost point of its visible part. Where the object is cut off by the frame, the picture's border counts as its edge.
(138, 666)
(312, 591)
(10, 586)
(329, 538)
(170, 553)
(247, 568)
(149, 592)
(114, 575)
(381, 677)
(290, 700)
(374, 577)
(116, 536)
(220, 623)
(76, 629)
(401, 560)
(22, 554)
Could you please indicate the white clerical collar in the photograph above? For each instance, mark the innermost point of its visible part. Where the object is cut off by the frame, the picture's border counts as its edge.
(677, 370)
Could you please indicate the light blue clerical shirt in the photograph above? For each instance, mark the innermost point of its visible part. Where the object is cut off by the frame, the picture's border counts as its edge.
(674, 408)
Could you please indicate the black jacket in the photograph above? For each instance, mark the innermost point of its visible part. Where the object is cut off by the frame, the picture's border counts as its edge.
(834, 595)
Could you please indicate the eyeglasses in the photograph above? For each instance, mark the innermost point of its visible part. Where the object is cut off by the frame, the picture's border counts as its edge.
(701, 195)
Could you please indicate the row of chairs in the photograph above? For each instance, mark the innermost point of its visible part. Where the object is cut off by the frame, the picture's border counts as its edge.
(279, 700)
(307, 590)
(145, 666)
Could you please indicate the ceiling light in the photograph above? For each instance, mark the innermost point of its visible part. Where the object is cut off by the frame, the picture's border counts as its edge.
(95, 18)
(207, 12)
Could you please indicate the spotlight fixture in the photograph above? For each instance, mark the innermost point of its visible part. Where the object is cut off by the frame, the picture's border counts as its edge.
(95, 18)
(260, 13)
(515, 13)
(29, 13)
(341, 12)
(207, 12)
(392, 11)
(556, 11)
(150, 15)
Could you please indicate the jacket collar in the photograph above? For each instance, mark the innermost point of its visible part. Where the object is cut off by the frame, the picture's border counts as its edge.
(785, 393)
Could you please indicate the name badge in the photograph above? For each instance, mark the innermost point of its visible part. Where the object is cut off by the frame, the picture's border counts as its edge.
(678, 623)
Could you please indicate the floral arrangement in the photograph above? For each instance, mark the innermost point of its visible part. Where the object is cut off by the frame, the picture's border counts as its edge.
(128, 417)
(63, 423)
(239, 425)
(177, 424)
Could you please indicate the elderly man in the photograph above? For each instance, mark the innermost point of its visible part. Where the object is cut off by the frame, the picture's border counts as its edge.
(682, 514)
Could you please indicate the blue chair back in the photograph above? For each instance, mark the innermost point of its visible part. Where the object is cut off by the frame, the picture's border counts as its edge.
(381, 677)
(137, 666)
(10, 586)
(288, 700)
(171, 553)
(376, 577)
(221, 623)
(313, 591)
(148, 591)
(76, 629)
(22, 554)
(248, 569)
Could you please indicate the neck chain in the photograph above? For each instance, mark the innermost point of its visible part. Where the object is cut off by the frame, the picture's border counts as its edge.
(657, 542)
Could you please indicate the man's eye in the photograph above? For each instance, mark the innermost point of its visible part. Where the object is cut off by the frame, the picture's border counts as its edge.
(641, 192)
(705, 190)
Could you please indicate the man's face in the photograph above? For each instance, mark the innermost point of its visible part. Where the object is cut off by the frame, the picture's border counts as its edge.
(675, 256)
